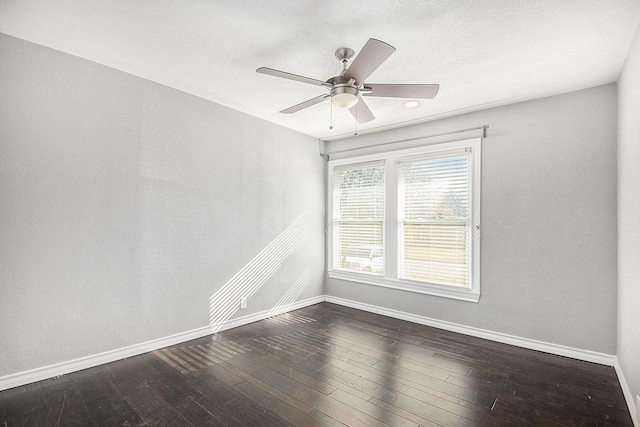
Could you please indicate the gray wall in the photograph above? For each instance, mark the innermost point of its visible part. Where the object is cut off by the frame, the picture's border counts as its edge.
(125, 206)
(628, 219)
(548, 258)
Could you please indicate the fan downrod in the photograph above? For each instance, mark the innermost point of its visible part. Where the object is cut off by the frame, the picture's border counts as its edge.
(344, 54)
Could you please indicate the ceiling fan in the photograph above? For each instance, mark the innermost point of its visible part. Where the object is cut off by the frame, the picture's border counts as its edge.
(347, 88)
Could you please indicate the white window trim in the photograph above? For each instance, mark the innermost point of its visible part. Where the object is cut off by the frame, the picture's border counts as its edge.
(391, 280)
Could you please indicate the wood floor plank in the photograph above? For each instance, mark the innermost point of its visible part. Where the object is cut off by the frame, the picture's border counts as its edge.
(336, 409)
(280, 353)
(115, 398)
(276, 393)
(153, 409)
(377, 412)
(196, 414)
(105, 413)
(433, 413)
(300, 373)
(173, 395)
(218, 412)
(102, 409)
(441, 386)
(325, 419)
(473, 412)
(280, 374)
(253, 414)
(403, 413)
(67, 408)
(212, 388)
(25, 406)
(295, 416)
(355, 382)
(371, 374)
(278, 404)
(384, 378)
(257, 395)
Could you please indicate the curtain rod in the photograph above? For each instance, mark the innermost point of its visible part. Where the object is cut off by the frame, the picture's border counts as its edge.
(484, 135)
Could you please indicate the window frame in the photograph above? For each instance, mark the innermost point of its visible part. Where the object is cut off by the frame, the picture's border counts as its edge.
(390, 222)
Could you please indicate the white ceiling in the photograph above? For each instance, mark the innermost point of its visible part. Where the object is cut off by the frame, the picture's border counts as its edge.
(482, 52)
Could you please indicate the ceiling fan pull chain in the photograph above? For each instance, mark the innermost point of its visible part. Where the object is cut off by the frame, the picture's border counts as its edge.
(331, 115)
(356, 132)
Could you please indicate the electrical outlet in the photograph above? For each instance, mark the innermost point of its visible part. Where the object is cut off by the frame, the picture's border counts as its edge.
(243, 303)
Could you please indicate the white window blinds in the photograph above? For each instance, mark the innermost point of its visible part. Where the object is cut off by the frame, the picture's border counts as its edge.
(434, 224)
(358, 218)
(408, 219)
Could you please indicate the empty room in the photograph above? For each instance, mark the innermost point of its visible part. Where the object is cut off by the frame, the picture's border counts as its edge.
(305, 213)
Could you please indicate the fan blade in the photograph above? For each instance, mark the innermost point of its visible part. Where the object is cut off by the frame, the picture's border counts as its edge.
(402, 91)
(372, 55)
(361, 112)
(305, 104)
(285, 75)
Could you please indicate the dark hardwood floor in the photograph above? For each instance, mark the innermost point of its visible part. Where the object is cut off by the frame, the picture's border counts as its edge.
(327, 365)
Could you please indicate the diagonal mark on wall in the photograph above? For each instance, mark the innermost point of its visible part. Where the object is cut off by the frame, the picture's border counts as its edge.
(225, 302)
(291, 295)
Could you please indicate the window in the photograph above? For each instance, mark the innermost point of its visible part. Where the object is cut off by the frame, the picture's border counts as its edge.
(433, 212)
(358, 218)
(408, 219)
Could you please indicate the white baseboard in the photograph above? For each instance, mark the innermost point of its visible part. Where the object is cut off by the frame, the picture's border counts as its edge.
(245, 320)
(38, 374)
(561, 350)
(628, 395)
(51, 371)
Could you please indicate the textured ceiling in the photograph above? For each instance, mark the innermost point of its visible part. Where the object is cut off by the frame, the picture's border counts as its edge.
(482, 52)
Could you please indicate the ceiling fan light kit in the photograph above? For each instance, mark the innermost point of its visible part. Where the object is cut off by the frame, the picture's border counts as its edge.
(344, 97)
(346, 90)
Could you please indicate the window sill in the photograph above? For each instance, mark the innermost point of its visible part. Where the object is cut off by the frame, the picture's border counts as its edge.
(421, 288)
